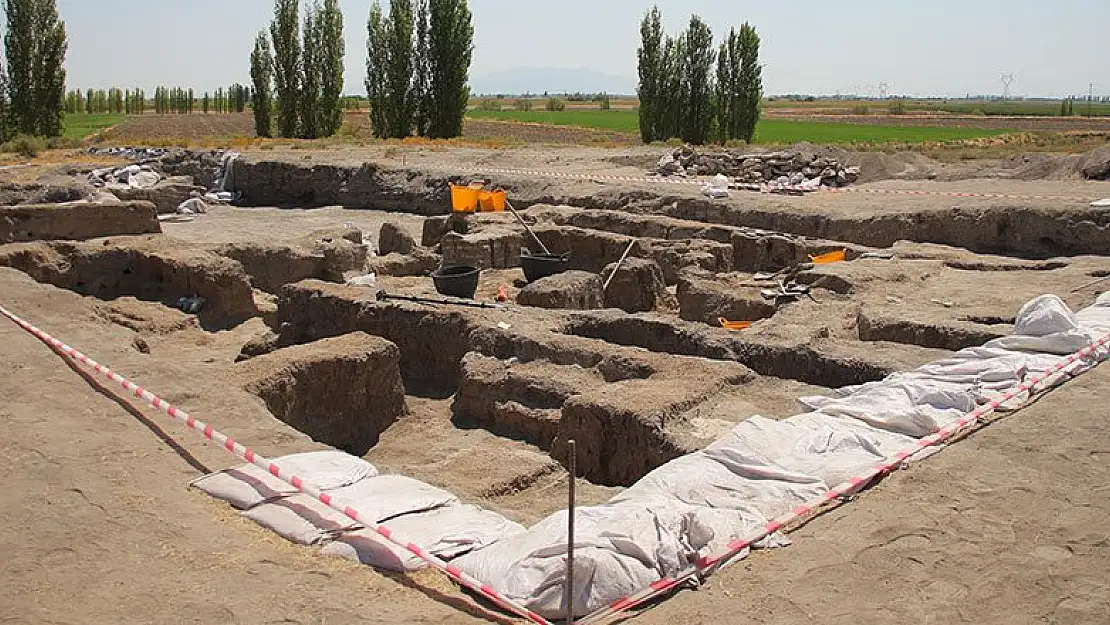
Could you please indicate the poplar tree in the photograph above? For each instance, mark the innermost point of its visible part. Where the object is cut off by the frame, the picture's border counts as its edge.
(285, 35)
(750, 83)
(35, 45)
(377, 58)
(400, 103)
(421, 86)
(310, 74)
(450, 48)
(329, 110)
(650, 65)
(262, 76)
(699, 58)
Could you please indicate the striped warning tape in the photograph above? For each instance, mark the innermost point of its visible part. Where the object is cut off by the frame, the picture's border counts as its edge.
(707, 564)
(245, 453)
(777, 188)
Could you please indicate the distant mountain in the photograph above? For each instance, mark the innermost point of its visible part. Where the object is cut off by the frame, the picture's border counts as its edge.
(551, 79)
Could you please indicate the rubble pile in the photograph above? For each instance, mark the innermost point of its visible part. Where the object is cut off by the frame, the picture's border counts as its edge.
(176, 181)
(788, 167)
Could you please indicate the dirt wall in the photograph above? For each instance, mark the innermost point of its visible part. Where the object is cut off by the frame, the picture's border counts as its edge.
(39, 222)
(143, 269)
(343, 391)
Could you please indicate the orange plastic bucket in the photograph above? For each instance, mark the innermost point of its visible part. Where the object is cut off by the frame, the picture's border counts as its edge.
(492, 200)
(464, 199)
(831, 257)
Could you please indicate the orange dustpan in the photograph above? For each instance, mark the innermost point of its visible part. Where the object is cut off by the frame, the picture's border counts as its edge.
(830, 257)
(734, 325)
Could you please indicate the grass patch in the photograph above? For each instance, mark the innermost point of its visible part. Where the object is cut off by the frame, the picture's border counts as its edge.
(769, 131)
(83, 125)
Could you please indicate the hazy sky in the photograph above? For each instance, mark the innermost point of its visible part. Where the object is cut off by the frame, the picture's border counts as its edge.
(940, 47)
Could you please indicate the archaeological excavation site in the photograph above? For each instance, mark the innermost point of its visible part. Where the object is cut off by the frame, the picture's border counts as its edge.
(762, 369)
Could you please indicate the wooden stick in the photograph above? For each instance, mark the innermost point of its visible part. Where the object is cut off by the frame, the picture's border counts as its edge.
(521, 220)
(568, 593)
(619, 263)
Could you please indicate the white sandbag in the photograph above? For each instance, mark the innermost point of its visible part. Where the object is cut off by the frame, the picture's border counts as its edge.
(381, 498)
(700, 480)
(618, 549)
(243, 486)
(301, 519)
(247, 485)
(446, 532)
(903, 405)
(804, 448)
(367, 547)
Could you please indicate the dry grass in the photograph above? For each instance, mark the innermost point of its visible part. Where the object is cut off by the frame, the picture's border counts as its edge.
(1009, 145)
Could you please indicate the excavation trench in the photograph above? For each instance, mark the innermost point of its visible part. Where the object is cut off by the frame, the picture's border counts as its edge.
(634, 392)
(1004, 227)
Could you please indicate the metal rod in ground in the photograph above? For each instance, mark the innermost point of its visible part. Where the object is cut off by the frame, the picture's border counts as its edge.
(568, 593)
(619, 263)
(528, 228)
(1090, 284)
(382, 296)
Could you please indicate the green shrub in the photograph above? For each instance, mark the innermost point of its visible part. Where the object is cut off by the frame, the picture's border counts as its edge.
(489, 104)
(861, 109)
(349, 131)
(605, 103)
(524, 104)
(897, 106)
(24, 145)
(63, 143)
(555, 104)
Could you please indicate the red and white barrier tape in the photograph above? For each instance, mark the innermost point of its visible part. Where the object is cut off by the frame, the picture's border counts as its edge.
(847, 488)
(245, 453)
(777, 188)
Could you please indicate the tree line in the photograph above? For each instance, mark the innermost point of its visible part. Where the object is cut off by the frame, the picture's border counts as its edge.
(32, 89)
(416, 72)
(114, 100)
(691, 90)
(417, 68)
(297, 72)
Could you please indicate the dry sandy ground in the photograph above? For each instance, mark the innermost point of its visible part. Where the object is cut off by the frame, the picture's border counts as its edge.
(1009, 526)
(97, 524)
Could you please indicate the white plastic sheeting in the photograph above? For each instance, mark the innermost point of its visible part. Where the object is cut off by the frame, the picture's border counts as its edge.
(697, 504)
(430, 517)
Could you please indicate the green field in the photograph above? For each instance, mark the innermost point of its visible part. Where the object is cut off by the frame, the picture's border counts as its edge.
(82, 125)
(773, 131)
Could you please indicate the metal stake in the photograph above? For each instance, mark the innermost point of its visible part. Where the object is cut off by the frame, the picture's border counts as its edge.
(568, 593)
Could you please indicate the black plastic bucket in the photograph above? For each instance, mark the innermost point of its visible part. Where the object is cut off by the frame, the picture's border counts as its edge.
(457, 280)
(538, 266)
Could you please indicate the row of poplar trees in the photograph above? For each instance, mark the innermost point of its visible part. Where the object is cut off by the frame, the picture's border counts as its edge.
(114, 100)
(691, 91)
(298, 80)
(32, 91)
(417, 68)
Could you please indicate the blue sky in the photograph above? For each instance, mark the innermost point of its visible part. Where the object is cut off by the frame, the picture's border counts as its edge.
(940, 47)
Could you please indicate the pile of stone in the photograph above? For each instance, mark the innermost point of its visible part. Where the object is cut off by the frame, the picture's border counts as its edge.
(787, 167)
(131, 176)
(209, 168)
(131, 154)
